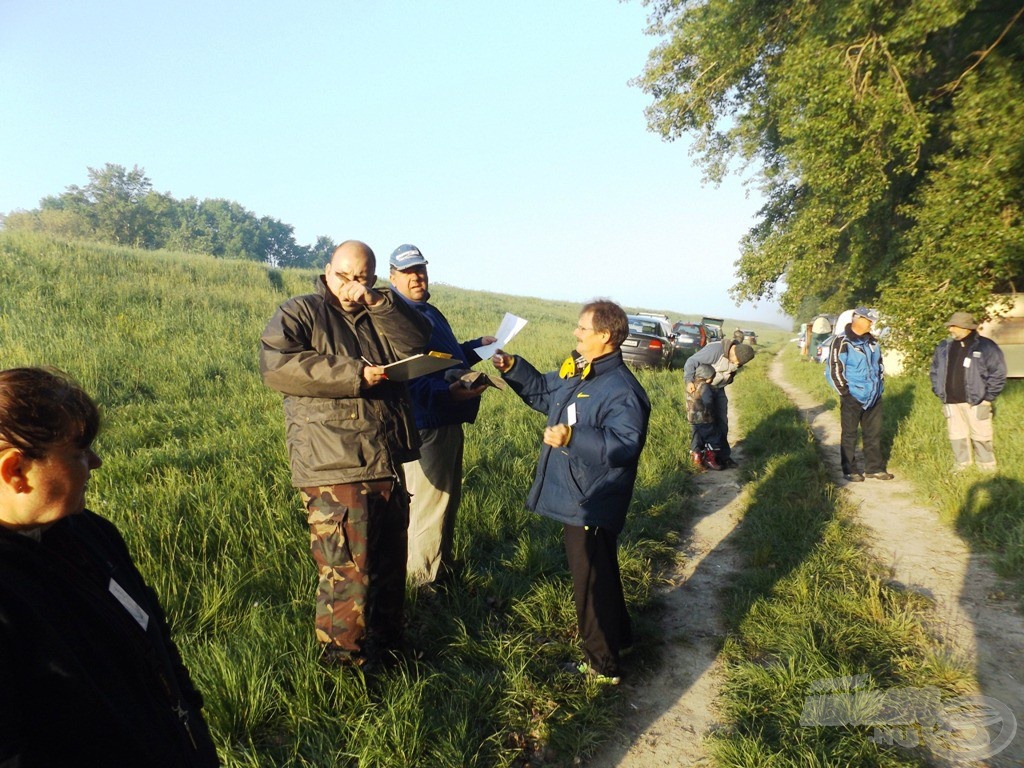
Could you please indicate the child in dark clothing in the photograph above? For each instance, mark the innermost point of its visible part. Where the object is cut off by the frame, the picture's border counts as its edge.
(702, 421)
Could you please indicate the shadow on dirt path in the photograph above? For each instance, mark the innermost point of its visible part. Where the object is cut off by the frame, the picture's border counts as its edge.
(972, 617)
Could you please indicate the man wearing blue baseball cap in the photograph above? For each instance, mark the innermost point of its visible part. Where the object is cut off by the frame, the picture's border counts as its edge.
(440, 408)
(854, 370)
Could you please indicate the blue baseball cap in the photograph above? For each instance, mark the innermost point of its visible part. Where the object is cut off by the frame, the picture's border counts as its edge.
(870, 314)
(406, 257)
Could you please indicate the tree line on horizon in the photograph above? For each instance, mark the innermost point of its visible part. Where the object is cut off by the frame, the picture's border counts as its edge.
(120, 206)
(885, 137)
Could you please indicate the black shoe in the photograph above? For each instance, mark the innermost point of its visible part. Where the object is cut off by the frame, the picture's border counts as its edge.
(881, 476)
(855, 477)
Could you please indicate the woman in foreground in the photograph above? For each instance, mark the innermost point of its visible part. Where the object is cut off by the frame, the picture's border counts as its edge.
(89, 674)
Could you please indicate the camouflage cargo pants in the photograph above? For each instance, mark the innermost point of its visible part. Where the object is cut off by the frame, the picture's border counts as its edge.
(357, 535)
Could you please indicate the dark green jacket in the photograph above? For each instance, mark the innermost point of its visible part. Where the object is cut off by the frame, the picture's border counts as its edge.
(312, 353)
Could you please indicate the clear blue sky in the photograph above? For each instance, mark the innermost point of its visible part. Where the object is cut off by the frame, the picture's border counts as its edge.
(501, 138)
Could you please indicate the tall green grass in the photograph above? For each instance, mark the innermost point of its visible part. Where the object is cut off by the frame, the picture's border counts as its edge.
(987, 509)
(811, 606)
(196, 477)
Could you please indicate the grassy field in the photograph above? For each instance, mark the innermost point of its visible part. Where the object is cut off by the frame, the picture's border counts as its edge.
(195, 476)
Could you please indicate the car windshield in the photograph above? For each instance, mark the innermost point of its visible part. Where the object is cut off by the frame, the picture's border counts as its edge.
(643, 326)
(688, 328)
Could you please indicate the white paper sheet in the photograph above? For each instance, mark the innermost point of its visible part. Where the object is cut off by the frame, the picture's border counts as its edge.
(510, 326)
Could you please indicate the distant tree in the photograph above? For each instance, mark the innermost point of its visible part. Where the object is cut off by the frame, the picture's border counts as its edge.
(188, 229)
(321, 251)
(113, 203)
(278, 243)
(235, 232)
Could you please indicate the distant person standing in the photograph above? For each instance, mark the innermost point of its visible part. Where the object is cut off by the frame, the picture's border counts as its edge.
(597, 415)
(440, 409)
(726, 358)
(348, 431)
(968, 372)
(854, 369)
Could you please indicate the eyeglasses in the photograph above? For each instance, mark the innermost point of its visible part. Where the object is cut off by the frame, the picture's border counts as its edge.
(581, 328)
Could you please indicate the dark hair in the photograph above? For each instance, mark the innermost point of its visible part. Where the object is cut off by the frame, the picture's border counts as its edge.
(41, 408)
(608, 316)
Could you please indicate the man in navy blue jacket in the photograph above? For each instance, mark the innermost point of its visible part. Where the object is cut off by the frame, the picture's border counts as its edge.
(440, 409)
(968, 372)
(597, 426)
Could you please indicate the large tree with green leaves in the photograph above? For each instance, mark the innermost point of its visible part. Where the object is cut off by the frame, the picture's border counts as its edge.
(885, 136)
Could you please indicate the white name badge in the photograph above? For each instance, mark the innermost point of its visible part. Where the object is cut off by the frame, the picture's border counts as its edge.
(129, 605)
(570, 414)
(967, 362)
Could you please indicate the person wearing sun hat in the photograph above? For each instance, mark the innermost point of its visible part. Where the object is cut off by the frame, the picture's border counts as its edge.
(968, 372)
(854, 369)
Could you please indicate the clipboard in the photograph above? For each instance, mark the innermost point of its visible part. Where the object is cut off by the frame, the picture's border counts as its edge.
(418, 365)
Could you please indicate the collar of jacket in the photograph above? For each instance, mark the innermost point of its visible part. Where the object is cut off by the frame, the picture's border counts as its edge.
(968, 339)
(420, 305)
(592, 368)
(860, 339)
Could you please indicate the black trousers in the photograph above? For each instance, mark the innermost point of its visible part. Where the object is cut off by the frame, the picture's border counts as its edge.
(604, 622)
(715, 434)
(851, 416)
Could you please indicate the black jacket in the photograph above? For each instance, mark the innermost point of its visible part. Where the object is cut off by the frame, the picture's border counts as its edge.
(81, 681)
(985, 377)
(336, 431)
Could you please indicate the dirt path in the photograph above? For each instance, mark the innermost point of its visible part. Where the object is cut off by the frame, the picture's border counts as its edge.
(970, 615)
(672, 712)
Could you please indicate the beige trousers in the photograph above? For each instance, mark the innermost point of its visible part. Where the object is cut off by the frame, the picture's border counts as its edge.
(435, 483)
(968, 431)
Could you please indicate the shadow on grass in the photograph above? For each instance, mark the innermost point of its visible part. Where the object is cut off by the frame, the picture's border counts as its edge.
(782, 525)
(992, 514)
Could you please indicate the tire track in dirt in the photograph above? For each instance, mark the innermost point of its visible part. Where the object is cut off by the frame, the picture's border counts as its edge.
(970, 617)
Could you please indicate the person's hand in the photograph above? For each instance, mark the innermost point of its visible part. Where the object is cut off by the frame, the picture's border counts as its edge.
(373, 375)
(557, 436)
(485, 340)
(460, 391)
(502, 361)
(355, 292)
(691, 387)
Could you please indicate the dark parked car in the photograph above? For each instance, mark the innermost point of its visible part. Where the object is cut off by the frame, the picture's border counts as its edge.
(749, 337)
(689, 338)
(649, 344)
